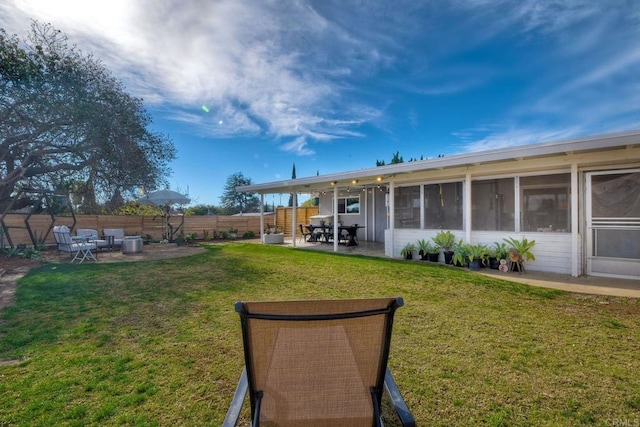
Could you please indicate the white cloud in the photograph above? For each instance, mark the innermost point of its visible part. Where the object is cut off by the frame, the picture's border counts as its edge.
(296, 71)
(495, 137)
(298, 145)
(585, 78)
(248, 62)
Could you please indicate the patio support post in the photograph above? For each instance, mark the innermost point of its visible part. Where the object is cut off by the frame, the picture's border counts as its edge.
(373, 214)
(366, 214)
(262, 217)
(422, 207)
(575, 247)
(335, 219)
(467, 207)
(294, 198)
(391, 216)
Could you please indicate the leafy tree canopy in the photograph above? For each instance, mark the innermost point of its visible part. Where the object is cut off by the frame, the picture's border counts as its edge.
(65, 122)
(134, 207)
(202, 210)
(233, 201)
(397, 158)
(310, 202)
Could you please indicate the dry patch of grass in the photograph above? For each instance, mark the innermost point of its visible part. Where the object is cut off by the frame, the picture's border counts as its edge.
(158, 343)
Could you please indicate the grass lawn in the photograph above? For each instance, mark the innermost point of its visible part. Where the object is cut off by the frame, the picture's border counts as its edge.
(158, 342)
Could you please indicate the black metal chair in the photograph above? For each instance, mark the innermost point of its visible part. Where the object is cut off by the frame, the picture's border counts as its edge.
(317, 363)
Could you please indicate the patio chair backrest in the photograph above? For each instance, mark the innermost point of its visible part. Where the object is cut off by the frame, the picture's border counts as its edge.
(87, 232)
(117, 233)
(317, 363)
(62, 235)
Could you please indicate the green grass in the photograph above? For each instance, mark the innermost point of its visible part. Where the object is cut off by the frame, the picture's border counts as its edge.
(158, 342)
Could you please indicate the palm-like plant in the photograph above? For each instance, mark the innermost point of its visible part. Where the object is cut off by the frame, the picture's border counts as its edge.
(477, 252)
(408, 250)
(459, 253)
(423, 246)
(522, 247)
(445, 240)
(500, 250)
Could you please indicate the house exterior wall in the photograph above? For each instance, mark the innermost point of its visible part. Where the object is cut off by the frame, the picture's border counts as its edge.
(552, 250)
(372, 216)
(562, 252)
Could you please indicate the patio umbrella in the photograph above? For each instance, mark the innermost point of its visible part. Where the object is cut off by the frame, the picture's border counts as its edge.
(165, 198)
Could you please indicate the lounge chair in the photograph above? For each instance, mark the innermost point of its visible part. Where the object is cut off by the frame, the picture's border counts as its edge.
(92, 235)
(317, 363)
(114, 236)
(81, 250)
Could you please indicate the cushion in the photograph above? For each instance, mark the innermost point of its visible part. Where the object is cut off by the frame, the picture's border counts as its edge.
(87, 232)
(117, 233)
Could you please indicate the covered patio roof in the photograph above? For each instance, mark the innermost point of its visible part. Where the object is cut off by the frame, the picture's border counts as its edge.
(406, 172)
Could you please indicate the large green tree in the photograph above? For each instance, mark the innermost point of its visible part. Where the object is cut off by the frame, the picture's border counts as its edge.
(65, 120)
(233, 201)
(202, 210)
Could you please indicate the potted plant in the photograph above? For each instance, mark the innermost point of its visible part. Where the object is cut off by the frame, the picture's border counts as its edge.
(459, 257)
(273, 236)
(520, 251)
(407, 251)
(445, 240)
(423, 246)
(477, 255)
(433, 253)
(498, 252)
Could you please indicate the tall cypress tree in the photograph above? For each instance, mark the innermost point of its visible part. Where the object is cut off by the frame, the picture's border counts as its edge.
(293, 176)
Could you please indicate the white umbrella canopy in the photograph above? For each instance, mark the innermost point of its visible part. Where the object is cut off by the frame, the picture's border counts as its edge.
(164, 197)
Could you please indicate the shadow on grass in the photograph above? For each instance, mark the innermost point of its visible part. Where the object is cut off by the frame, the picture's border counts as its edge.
(59, 300)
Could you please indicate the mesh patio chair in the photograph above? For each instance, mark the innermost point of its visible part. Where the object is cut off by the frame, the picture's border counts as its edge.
(317, 363)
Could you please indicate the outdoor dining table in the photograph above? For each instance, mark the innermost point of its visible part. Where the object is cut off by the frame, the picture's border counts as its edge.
(352, 231)
(313, 237)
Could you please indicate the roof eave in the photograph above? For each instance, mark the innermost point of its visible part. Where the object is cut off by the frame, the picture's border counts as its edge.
(379, 174)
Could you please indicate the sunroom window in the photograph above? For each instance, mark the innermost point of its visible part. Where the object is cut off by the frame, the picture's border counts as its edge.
(443, 206)
(546, 203)
(493, 204)
(407, 207)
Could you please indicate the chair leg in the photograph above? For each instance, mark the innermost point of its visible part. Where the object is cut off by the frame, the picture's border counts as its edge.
(231, 419)
(398, 402)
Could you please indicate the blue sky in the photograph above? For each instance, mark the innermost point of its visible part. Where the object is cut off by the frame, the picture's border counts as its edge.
(335, 85)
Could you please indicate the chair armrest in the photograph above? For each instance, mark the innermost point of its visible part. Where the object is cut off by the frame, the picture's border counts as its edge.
(231, 419)
(398, 402)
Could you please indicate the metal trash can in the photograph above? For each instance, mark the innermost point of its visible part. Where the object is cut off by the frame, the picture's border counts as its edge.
(132, 245)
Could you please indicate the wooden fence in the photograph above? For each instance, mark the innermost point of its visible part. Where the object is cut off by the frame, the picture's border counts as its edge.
(155, 227)
(284, 217)
(133, 225)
